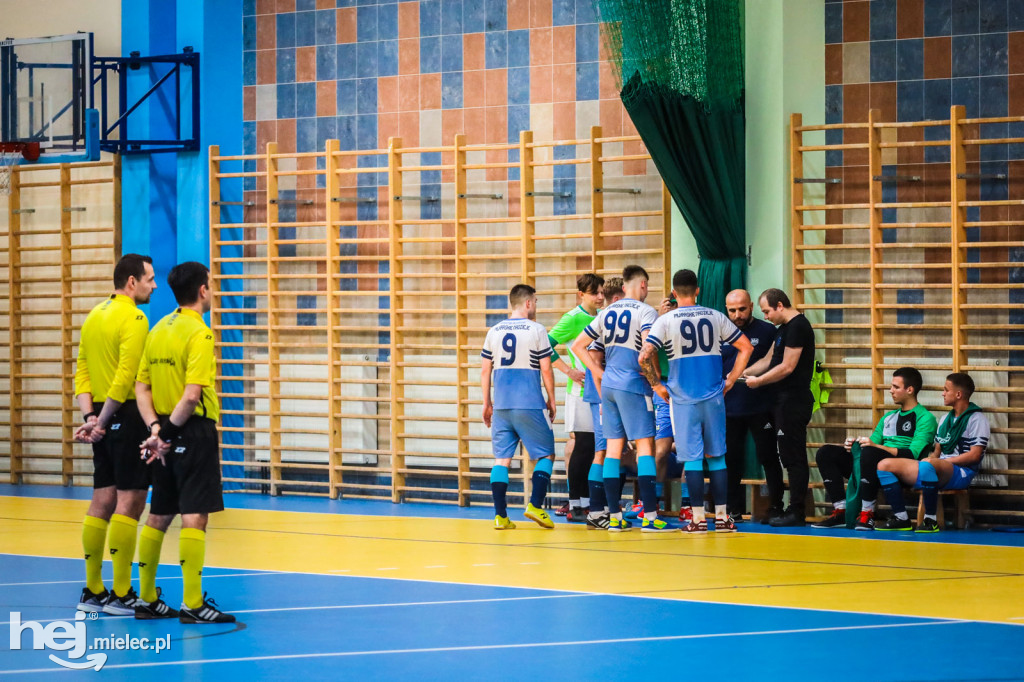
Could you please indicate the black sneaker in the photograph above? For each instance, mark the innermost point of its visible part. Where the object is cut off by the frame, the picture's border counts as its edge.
(598, 522)
(773, 512)
(865, 521)
(895, 524)
(576, 515)
(791, 519)
(91, 602)
(207, 613)
(154, 609)
(121, 606)
(837, 519)
(928, 526)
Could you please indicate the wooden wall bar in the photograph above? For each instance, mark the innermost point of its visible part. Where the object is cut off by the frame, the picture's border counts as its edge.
(361, 286)
(909, 252)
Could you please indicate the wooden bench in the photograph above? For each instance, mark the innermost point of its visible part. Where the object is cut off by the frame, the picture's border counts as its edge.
(961, 502)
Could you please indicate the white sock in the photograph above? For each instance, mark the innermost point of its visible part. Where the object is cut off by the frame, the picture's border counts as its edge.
(720, 512)
(698, 513)
(617, 515)
(841, 504)
(650, 516)
(933, 517)
(574, 503)
(584, 501)
(867, 505)
(902, 516)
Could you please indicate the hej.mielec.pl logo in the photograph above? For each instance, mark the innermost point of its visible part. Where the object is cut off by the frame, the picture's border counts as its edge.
(71, 637)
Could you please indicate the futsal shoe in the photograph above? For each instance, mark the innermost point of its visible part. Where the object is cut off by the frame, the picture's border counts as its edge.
(928, 526)
(91, 602)
(736, 516)
(207, 613)
(563, 510)
(619, 525)
(791, 519)
(503, 523)
(121, 606)
(771, 513)
(634, 512)
(696, 527)
(598, 521)
(865, 521)
(895, 524)
(154, 609)
(837, 519)
(726, 525)
(685, 515)
(539, 516)
(577, 515)
(657, 526)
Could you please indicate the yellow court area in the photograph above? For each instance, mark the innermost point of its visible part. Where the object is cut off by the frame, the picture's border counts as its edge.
(933, 577)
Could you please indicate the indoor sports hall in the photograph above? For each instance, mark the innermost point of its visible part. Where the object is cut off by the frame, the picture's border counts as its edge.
(366, 182)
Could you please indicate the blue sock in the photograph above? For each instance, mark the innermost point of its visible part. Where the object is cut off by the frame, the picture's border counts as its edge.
(596, 480)
(499, 487)
(893, 491)
(928, 482)
(695, 480)
(719, 479)
(684, 493)
(659, 490)
(612, 484)
(646, 477)
(541, 478)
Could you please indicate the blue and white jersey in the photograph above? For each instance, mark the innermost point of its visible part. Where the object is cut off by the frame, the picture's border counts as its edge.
(619, 327)
(516, 347)
(692, 338)
(590, 394)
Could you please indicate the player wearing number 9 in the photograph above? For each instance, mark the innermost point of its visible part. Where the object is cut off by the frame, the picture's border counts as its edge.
(518, 353)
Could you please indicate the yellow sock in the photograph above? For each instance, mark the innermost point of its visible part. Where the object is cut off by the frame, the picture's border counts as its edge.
(122, 551)
(192, 551)
(94, 535)
(150, 542)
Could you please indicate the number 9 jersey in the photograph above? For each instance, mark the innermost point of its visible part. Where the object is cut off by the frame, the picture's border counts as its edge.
(620, 327)
(516, 347)
(692, 339)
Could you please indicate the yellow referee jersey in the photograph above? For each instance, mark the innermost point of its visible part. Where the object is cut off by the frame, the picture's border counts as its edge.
(179, 351)
(111, 344)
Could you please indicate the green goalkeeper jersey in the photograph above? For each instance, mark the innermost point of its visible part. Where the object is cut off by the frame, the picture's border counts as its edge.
(912, 431)
(565, 332)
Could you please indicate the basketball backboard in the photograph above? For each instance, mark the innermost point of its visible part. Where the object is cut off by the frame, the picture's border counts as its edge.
(46, 95)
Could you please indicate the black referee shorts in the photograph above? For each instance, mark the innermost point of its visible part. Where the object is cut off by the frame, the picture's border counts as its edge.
(189, 482)
(115, 459)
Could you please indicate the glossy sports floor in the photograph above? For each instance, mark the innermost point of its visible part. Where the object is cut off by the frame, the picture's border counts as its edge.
(379, 591)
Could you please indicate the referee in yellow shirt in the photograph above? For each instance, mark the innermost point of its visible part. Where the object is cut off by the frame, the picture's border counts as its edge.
(109, 350)
(176, 393)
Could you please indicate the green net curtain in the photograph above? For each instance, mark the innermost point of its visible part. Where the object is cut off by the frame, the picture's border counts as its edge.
(680, 65)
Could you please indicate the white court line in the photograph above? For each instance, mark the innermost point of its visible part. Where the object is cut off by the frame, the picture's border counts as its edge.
(438, 566)
(483, 564)
(485, 647)
(373, 606)
(205, 577)
(388, 568)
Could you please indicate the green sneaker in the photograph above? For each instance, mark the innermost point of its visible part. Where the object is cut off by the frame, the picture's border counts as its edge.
(895, 524)
(539, 516)
(928, 526)
(619, 525)
(657, 526)
(503, 523)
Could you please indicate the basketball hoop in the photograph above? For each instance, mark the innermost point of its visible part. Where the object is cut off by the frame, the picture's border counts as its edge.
(11, 154)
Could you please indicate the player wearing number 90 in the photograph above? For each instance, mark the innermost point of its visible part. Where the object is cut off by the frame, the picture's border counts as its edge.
(692, 336)
(519, 352)
(626, 407)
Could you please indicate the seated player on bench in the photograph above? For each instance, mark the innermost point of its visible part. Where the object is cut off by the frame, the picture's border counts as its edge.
(959, 448)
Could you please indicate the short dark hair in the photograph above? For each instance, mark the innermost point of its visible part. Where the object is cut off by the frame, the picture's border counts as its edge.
(631, 272)
(684, 282)
(589, 283)
(613, 287)
(911, 378)
(130, 265)
(963, 381)
(520, 293)
(774, 297)
(185, 279)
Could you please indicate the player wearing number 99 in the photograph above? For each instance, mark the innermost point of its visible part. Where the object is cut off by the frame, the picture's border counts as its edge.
(692, 336)
(519, 353)
(626, 407)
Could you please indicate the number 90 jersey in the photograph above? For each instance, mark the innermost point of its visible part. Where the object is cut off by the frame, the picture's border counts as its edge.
(619, 327)
(692, 339)
(516, 348)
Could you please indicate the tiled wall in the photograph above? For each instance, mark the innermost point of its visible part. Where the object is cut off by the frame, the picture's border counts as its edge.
(363, 71)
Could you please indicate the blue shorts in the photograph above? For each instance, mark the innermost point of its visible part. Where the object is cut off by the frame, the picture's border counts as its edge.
(699, 429)
(509, 427)
(961, 479)
(662, 418)
(626, 415)
(600, 444)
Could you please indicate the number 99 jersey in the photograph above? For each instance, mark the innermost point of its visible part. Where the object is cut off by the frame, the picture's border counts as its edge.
(619, 327)
(516, 348)
(692, 339)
